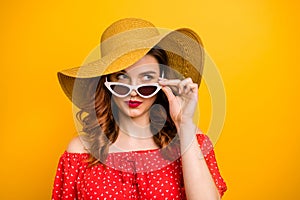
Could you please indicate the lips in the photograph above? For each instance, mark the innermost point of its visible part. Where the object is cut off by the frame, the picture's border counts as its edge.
(133, 104)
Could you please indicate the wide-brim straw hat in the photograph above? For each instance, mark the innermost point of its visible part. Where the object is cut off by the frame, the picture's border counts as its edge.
(124, 43)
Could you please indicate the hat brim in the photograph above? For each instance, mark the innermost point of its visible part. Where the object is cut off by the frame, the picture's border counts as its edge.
(183, 47)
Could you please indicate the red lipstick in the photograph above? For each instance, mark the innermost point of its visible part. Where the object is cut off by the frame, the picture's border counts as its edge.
(133, 104)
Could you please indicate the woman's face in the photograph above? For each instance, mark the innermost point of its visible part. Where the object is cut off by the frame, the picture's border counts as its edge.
(145, 71)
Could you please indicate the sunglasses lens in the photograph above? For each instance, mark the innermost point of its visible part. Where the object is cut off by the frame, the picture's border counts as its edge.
(147, 90)
(120, 89)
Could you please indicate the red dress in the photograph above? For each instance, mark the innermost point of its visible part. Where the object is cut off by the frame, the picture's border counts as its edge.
(135, 176)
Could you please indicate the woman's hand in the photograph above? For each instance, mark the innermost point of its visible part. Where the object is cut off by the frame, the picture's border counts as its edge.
(183, 105)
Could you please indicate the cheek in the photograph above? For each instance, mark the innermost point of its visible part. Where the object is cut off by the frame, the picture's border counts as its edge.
(149, 102)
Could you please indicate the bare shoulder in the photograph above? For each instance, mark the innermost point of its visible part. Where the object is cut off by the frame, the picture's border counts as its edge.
(76, 146)
(199, 132)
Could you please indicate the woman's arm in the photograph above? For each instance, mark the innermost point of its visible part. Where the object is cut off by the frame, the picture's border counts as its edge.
(198, 180)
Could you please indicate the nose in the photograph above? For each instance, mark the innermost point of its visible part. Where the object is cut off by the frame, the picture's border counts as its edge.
(133, 93)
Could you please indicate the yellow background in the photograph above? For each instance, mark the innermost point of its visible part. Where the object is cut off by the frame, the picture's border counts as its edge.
(255, 45)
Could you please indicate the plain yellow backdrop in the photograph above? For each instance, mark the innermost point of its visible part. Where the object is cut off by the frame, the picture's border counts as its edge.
(255, 45)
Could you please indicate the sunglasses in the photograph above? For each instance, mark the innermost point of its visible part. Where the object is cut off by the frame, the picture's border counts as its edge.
(123, 90)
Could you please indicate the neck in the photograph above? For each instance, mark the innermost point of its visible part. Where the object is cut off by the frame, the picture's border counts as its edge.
(135, 127)
(134, 134)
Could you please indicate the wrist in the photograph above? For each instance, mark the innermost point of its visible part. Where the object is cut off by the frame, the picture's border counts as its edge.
(187, 133)
(185, 126)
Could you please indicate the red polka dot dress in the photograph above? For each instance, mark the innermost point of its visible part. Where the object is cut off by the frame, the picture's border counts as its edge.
(128, 175)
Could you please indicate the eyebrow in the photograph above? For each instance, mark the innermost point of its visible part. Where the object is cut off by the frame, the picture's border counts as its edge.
(148, 72)
(143, 73)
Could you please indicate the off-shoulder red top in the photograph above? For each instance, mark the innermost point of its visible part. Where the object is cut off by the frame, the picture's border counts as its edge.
(132, 179)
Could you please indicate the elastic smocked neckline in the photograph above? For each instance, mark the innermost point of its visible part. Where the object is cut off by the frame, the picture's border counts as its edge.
(118, 152)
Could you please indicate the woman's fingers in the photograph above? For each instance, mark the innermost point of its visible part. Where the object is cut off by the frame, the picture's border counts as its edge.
(171, 82)
(182, 104)
(183, 86)
(167, 90)
(194, 87)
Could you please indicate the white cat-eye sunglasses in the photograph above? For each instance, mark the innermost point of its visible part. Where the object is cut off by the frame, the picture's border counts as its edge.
(123, 90)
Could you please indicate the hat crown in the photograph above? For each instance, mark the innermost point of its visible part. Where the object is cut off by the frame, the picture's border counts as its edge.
(125, 31)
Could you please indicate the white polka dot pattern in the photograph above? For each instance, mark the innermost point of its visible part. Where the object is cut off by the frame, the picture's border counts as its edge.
(129, 175)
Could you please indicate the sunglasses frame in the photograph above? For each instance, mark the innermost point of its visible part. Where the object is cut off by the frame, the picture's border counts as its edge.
(131, 87)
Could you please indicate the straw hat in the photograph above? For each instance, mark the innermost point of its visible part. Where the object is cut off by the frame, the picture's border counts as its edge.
(125, 42)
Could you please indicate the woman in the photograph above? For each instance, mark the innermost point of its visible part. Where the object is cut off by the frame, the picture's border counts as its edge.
(137, 104)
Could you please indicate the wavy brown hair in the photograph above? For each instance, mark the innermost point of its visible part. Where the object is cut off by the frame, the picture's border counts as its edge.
(100, 125)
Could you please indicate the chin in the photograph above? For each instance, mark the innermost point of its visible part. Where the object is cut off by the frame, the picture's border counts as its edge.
(134, 113)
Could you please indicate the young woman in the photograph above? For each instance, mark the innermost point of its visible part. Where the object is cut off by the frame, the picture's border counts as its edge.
(137, 104)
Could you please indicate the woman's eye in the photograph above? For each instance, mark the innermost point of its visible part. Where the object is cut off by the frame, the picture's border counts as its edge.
(148, 77)
(122, 76)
